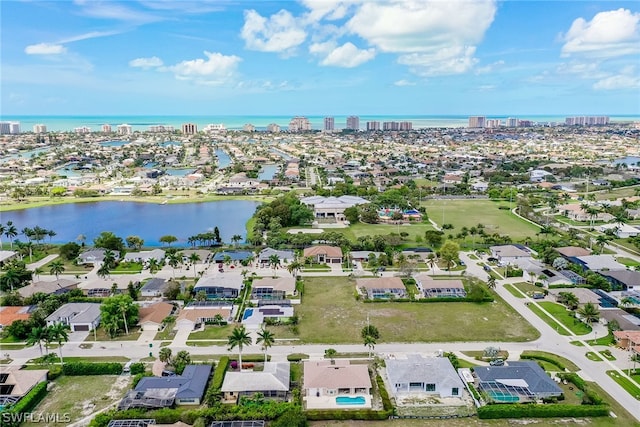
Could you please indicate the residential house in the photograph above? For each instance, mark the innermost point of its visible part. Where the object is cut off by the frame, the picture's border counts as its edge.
(621, 231)
(10, 314)
(627, 280)
(285, 257)
(326, 381)
(599, 263)
(6, 256)
(507, 254)
(417, 374)
(80, 316)
(154, 288)
(272, 383)
(233, 256)
(16, 382)
(59, 286)
(627, 339)
(583, 295)
(145, 256)
(431, 288)
(382, 287)
(255, 316)
(273, 288)
(624, 320)
(220, 286)
(523, 381)
(99, 287)
(570, 252)
(197, 313)
(94, 256)
(151, 316)
(163, 392)
(332, 207)
(324, 254)
(575, 212)
(363, 256)
(563, 277)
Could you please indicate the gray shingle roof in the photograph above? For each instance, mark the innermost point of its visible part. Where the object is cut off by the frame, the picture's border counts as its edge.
(190, 385)
(537, 379)
(415, 368)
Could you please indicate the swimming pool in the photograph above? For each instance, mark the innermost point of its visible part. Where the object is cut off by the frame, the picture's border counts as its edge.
(502, 397)
(348, 400)
(247, 313)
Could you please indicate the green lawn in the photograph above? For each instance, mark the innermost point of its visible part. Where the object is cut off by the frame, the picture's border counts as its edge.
(628, 262)
(101, 335)
(630, 387)
(558, 359)
(469, 212)
(563, 316)
(330, 314)
(527, 288)
(127, 268)
(70, 267)
(594, 356)
(359, 229)
(212, 332)
(80, 397)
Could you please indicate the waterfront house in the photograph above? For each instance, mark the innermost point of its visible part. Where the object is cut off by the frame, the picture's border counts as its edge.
(145, 256)
(523, 381)
(334, 384)
(506, 254)
(284, 256)
(272, 383)
(273, 288)
(382, 287)
(332, 207)
(431, 288)
(324, 254)
(94, 256)
(233, 256)
(627, 280)
(599, 263)
(416, 374)
(79, 316)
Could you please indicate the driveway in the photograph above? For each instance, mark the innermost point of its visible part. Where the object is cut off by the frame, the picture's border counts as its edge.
(147, 336)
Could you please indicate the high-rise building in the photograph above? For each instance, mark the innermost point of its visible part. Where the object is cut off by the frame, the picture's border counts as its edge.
(299, 124)
(106, 128)
(329, 123)
(273, 128)
(512, 122)
(189, 128)
(493, 123)
(249, 128)
(353, 123)
(39, 128)
(373, 126)
(125, 129)
(477, 121)
(587, 120)
(5, 128)
(82, 130)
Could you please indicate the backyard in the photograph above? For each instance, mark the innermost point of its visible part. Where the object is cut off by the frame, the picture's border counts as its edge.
(469, 212)
(331, 314)
(80, 397)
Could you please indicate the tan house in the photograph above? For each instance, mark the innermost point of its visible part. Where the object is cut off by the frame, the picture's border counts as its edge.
(273, 288)
(17, 382)
(627, 339)
(336, 384)
(431, 288)
(382, 287)
(151, 317)
(191, 318)
(324, 254)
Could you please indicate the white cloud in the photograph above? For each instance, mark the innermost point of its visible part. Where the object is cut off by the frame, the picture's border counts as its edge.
(626, 80)
(489, 68)
(280, 32)
(327, 9)
(45, 49)
(215, 69)
(585, 70)
(404, 82)
(90, 35)
(348, 56)
(443, 61)
(115, 11)
(434, 37)
(608, 34)
(146, 63)
(322, 48)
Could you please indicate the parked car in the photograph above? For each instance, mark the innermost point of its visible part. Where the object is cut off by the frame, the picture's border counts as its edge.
(497, 362)
(486, 268)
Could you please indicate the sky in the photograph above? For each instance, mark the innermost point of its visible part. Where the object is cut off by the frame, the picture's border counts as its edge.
(319, 57)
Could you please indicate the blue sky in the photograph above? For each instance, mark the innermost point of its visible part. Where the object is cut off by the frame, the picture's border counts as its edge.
(91, 57)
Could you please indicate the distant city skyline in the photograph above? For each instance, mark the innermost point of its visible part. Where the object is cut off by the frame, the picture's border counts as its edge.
(329, 58)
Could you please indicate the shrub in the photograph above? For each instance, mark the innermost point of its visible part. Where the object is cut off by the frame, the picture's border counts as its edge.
(137, 368)
(384, 395)
(551, 360)
(88, 368)
(339, 414)
(213, 392)
(541, 411)
(293, 418)
(297, 357)
(54, 372)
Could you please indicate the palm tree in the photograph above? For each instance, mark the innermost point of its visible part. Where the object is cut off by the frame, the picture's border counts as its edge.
(109, 258)
(194, 258)
(165, 355)
(51, 234)
(123, 307)
(3, 228)
(239, 338)
(37, 335)
(174, 261)
(491, 282)
(235, 239)
(11, 232)
(58, 332)
(370, 342)
(627, 302)
(154, 265)
(81, 239)
(104, 271)
(569, 299)
(294, 267)
(11, 278)
(267, 338)
(274, 262)
(431, 260)
(37, 272)
(589, 313)
(57, 267)
(601, 241)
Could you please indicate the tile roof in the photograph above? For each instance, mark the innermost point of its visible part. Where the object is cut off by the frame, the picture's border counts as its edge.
(340, 374)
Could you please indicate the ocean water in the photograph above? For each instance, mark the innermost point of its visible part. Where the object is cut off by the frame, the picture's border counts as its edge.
(142, 123)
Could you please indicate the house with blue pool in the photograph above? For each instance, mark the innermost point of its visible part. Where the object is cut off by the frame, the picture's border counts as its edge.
(336, 384)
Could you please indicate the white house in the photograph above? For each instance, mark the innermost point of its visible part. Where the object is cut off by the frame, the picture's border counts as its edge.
(80, 316)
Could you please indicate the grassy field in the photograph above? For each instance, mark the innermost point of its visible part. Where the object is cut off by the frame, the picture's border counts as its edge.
(80, 397)
(330, 314)
(470, 212)
(102, 335)
(562, 315)
(527, 288)
(629, 386)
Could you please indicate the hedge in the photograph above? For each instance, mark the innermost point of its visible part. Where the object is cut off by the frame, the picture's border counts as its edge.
(88, 368)
(541, 411)
(219, 373)
(252, 358)
(26, 404)
(551, 360)
(384, 395)
(54, 372)
(137, 368)
(430, 300)
(342, 414)
(589, 397)
(297, 357)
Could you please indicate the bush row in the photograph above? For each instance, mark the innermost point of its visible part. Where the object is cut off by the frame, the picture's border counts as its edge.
(341, 414)
(384, 395)
(551, 360)
(137, 368)
(88, 368)
(430, 300)
(297, 357)
(31, 399)
(589, 397)
(252, 358)
(213, 392)
(541, 411)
